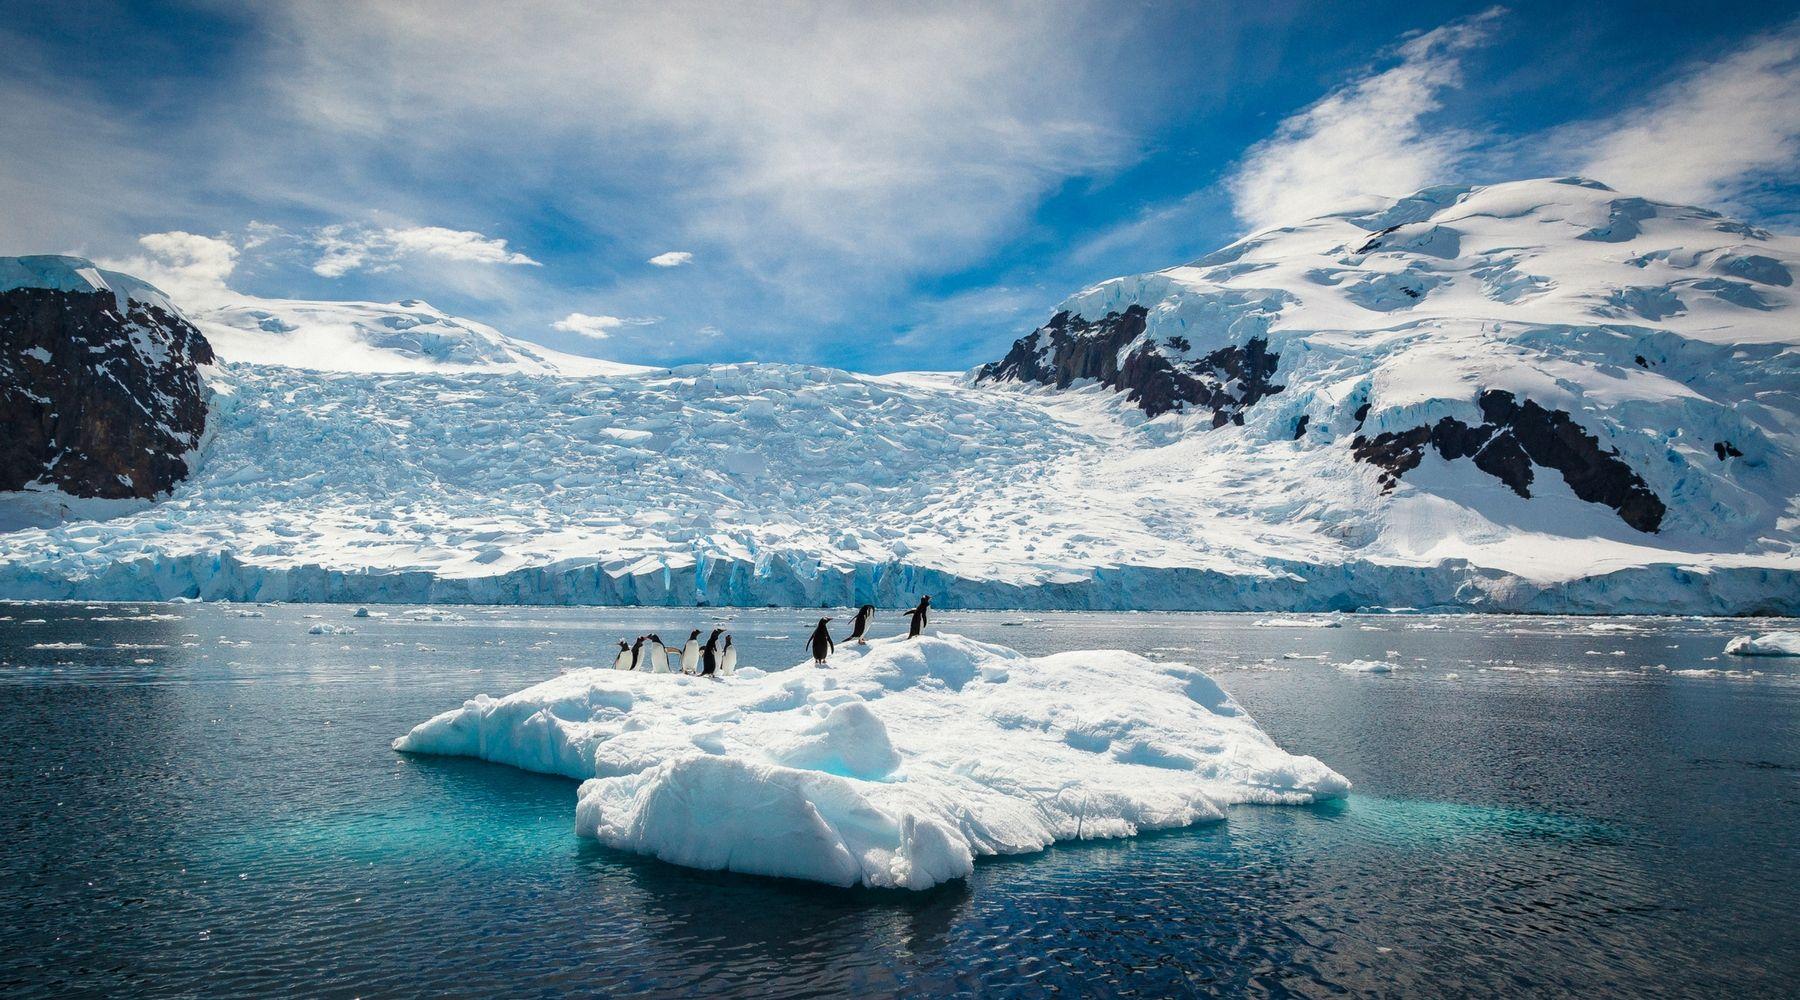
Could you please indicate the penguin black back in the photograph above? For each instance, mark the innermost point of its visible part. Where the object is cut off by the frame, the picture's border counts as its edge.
(860, 628)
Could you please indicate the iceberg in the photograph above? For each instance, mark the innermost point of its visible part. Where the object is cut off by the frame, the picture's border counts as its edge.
(896, 767)
(1769, 644)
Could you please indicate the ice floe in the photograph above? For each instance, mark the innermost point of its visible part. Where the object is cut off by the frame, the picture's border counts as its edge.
(895, 767)
(1768, 644)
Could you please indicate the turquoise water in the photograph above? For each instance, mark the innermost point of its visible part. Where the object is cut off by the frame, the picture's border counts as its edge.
(1541, 807)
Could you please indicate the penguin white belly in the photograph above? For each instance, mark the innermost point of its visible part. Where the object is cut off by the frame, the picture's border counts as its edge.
(690, 656)
(728, 663)
(623, 660)
(659, 658)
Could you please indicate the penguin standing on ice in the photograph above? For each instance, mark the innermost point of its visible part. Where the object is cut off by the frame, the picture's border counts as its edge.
(655, 655)
(626, 657)
(859, 629)
(919, 616)
(709, 656)
(690, 652)
(728, 659)
(637, 656)
(821, 644)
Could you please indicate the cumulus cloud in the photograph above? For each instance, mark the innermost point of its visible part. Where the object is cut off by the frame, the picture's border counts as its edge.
(1704, 138)
(1366, 140)
(190, 267)
(344, 248)
(597, 327)
(673, 258)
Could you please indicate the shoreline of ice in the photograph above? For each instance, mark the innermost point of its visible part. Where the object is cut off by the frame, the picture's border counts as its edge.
(896, 768)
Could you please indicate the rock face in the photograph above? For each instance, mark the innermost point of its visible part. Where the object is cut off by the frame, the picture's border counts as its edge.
(99, 384)
(1514, 436)
(1155, 375)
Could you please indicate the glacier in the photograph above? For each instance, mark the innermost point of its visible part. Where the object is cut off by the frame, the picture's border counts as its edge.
(1662, 336)
(895, 767)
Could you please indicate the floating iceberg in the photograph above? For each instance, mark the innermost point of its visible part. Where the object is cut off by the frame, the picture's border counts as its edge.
(1770, 644)
(1366, 667)
(896, 767)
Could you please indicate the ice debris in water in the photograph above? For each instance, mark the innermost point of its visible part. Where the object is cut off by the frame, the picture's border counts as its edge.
(1366, 667)
(896, 767)
(1768, 644)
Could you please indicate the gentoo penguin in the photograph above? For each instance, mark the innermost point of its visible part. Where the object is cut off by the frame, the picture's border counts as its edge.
(728, 659)
(656, 655)
(626, 657)
(637, 656)
(690, 652)
(859, 630)
(919, 616)
(821, 644)
(709, 656)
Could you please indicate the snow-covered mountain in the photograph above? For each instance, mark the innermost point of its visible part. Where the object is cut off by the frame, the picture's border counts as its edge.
(100, 389)
(402, 336)
(1534, 396)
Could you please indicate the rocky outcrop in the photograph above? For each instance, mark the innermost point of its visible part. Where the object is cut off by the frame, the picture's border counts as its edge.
(99, 391)
(1157, 376)
(1515, 436)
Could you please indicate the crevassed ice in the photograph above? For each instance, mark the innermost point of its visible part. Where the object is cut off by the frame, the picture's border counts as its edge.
(897, 767)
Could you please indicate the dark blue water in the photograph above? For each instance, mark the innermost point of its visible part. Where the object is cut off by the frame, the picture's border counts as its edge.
(1568, 814)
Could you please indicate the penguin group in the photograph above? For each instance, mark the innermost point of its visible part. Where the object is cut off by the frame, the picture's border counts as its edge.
(712, 659)
(648, 654)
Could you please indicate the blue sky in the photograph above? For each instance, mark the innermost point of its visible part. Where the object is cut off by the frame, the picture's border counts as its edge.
(877, 187)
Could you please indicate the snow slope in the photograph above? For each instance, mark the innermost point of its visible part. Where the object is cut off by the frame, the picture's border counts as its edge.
(377, 337)
(896, 767)
(752, 484)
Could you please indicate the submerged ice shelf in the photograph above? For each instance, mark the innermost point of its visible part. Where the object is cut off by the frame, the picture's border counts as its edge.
(896, 767)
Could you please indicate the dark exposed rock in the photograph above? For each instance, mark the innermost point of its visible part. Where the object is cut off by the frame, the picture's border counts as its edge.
(99, 399)
(1114, 351)
(1300, 425)
(1515, 436)
(1725, 450)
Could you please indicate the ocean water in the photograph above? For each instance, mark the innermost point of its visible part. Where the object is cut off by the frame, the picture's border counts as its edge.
(200, 800)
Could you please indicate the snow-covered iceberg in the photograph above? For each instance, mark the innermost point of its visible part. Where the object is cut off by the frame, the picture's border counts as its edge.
(896, 767)
(1768, 644)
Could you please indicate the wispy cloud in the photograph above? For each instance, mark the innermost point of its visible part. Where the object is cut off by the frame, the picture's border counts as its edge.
(346, 248)
(1721, 128)
(592, 327)
(1367, 140)
(673, 258)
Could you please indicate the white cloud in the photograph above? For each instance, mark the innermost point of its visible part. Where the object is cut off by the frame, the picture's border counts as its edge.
(908, 136)
(1708, 135)
(344, 248)
(594, 327)
(190, 267)
(1364, 141)
(674, 258)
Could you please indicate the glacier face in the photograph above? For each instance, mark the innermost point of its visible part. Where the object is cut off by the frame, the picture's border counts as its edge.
(895, 768)
(1556, 333)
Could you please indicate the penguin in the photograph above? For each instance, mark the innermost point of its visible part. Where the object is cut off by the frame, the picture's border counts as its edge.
(821, 644)
(656, 655)
(626, 656)
(709, 656)
(728, 660)
(860, 629)
(690, 652)
(638, 662)
(919, 615)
